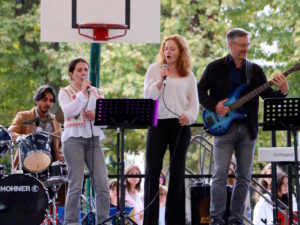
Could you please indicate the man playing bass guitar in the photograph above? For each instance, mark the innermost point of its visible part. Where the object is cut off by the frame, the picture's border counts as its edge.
(229, 76)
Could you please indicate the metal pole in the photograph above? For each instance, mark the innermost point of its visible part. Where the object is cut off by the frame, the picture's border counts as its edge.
(274, 184)
(95, 56)
(94, 77)
(296, 172)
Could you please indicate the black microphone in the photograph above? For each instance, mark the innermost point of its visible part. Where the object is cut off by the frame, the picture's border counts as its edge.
(165, 66)
(88, 88)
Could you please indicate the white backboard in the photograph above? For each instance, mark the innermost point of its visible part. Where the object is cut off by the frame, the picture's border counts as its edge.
(59, 20)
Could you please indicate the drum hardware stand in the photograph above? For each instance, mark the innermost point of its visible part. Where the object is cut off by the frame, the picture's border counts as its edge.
(121, 114)
(90, 216)
(11, 149)
(283, 114)
(19, 141)
(52, 217)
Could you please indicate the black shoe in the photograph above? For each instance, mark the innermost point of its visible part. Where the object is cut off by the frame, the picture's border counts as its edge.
(216, 221)
(235, 222)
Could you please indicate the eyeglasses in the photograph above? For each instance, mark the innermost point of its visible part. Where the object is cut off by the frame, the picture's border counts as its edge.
(242, 45)
(163, 194)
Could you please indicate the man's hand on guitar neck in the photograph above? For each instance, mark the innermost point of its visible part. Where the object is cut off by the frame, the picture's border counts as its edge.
(221, 109)
(281, 82)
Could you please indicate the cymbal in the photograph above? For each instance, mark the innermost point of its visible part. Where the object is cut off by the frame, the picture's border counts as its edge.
(37, 121)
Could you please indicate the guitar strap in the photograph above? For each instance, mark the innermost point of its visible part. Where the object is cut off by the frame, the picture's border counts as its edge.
(249, 71)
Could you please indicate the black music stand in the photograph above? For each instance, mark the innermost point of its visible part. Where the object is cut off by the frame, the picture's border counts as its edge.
(284, 114)
(125, 114)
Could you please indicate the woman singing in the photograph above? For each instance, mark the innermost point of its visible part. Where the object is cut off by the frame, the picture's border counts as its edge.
(81, 143)
(172, 81)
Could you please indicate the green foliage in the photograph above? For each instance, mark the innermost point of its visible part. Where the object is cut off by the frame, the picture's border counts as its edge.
(26, 63)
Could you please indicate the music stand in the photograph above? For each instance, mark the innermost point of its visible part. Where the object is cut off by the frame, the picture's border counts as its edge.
(283, 114)
(124, 114)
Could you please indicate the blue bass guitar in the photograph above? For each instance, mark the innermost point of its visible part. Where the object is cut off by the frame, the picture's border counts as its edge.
(218, 125)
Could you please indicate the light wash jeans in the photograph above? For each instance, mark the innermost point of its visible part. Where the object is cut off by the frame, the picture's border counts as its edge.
(238, 139)
(78, 151)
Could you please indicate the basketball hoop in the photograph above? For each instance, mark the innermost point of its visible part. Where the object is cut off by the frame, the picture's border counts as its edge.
(100, 31)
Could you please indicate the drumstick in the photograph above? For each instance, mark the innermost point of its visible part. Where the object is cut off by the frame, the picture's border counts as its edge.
(57, 131)
(51, 134)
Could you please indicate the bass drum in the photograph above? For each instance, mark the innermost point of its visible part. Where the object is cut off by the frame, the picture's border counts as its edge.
(23, 200)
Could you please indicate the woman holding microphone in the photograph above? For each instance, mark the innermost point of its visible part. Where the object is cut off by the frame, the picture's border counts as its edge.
(81, 143)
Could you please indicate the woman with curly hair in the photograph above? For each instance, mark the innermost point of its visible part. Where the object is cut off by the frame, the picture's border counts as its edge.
(172, 81)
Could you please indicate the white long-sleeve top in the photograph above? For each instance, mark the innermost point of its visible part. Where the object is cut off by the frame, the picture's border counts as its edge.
(137, 203)
(73, 107)
(180, 94)
(264, 210)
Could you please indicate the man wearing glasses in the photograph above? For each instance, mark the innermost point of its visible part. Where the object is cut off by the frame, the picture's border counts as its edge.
(220, 80)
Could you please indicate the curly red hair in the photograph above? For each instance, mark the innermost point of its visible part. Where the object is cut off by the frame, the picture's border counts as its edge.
(184, 63)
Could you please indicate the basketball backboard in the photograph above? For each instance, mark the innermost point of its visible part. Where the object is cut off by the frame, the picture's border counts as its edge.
(60, 20)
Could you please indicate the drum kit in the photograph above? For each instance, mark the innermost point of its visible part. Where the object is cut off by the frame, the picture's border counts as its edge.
(28, 196)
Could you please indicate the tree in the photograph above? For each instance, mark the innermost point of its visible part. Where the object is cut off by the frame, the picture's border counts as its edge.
(26, 63)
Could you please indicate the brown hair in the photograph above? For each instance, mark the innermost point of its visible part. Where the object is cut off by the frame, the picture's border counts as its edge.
(263, 182)
(280, 177)
(184, 63)
(127, 171)
(112, 183)
(74, 62)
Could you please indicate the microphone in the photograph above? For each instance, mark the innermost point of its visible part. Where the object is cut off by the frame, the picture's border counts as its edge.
(88, 88)
(165, 66)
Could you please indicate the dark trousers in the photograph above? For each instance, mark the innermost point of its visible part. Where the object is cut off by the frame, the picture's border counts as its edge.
(166, 133)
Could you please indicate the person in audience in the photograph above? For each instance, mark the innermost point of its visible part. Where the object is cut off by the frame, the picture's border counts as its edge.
(113, 193)
(133, 195)
(163, 191)
(265, 182)
(162, 179)
(263, 210)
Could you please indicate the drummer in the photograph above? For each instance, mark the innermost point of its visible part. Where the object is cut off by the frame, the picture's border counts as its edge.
(44, 98)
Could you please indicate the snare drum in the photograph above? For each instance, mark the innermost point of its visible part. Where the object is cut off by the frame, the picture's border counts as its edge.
(35, 152)
(56, 174)
(24, 200)
(5, 141)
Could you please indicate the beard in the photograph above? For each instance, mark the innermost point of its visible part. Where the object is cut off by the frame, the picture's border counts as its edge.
(44, 110)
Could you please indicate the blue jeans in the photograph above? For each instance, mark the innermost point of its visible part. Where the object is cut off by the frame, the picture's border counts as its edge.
(79, 151)
(238, 139)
